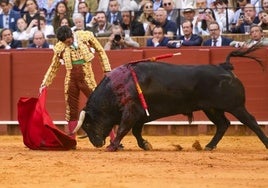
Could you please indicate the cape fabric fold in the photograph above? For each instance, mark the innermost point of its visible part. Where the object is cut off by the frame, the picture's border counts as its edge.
(38, 130)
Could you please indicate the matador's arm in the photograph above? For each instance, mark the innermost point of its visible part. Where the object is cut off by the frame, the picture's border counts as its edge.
(55, 63)
(91, 40)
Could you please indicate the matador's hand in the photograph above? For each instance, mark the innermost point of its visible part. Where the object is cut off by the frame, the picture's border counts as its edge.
(42, 87)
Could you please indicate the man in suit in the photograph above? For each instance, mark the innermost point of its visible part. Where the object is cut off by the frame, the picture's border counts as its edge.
(7, 41)
(215, 36)
(158, 39)
(188, 39)
(9, 17)
(39, 40)
(113, 13)
(84, 10)
(256, 36)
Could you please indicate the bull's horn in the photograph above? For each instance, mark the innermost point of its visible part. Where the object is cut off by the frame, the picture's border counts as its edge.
(80, 121)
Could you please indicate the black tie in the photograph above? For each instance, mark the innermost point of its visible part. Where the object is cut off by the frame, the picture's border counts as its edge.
(214, 42)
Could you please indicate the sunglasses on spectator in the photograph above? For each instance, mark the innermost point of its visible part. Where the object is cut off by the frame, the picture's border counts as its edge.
(167, 4)
(149, 6)
(208, 12)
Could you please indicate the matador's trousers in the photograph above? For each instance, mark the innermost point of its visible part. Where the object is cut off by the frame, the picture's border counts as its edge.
(80, 78)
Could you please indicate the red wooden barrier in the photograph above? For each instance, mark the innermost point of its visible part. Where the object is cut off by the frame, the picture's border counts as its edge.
(21, 74)
(5, 83)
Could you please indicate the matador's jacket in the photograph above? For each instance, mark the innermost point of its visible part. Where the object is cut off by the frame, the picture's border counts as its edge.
(69, 55)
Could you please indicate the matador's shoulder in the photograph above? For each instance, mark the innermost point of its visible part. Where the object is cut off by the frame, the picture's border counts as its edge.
(84, 35)
(59, 47)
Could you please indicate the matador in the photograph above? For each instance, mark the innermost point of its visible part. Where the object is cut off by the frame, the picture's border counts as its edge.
(75, 50)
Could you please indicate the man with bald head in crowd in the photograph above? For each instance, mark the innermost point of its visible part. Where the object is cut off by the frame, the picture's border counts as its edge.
(168, 25)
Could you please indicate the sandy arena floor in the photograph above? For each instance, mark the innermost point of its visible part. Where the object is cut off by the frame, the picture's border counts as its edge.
(237, 162)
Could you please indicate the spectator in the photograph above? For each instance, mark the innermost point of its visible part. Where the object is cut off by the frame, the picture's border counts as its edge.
(263, 17)
(9, 17)
(42, 12)
(246, 19)
(39, 40)
(49, 7)
(147, 17)
(158, 39)
(203, 20)
(73, 5)
(224, 14)
(264, 5)
(215, 36)
(240, 9)
(79, 22)
(187, 14)
(168, 25)
(32, 13)
(65, 21)
(99, 25)
(128, 23)
(22, 33)
(61, 11)
(118, 41)
(141, 3)
(201, 4)
(84, 10)
(256, 36)
(172, 12)
(20, 6)
(7, 41)
(189, 39)
(47, 30)
(113, 13)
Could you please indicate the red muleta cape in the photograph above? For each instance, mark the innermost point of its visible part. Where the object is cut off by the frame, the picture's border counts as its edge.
(38, 130)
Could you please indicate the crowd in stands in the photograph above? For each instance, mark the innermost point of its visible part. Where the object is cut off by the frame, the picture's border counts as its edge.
(171, 23)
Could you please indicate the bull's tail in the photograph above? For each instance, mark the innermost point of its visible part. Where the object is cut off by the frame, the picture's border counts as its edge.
(242, 53)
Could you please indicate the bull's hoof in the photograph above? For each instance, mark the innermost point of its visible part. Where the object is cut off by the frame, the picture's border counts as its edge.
(111, 148)
(208, 148)
(147, 146)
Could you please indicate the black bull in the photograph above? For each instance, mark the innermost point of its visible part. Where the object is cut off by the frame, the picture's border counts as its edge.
(168, 90)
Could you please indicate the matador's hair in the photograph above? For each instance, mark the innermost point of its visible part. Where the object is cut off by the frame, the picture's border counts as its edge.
(64, 32)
